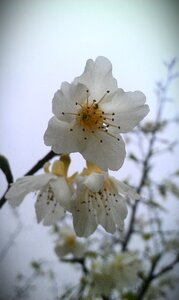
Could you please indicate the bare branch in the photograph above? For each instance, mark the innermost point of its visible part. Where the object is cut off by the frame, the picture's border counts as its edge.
(32, 171)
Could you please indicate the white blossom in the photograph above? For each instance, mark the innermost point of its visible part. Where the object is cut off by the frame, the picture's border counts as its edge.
(91, 112)
(54, 191)
(120, 272)
(100, 199)
(68, 243)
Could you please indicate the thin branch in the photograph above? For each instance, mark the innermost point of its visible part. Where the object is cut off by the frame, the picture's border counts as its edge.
(12, 237)
(151, 276)
(167, 268)
(146, 164)
(80, 261)
(32, 171)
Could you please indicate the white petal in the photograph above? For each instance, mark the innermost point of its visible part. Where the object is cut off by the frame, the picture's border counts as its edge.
(61, 250)
(97, 76)
(84, 219)
(106, 221)
(50, 211)
(62, 192)
(103, 283)
(79, 249)
(65, 99)
(25, 185)
(42, 208)
(59, 136)
(108, 154)
(104, 217)
(128, 107)
(94, 181)
(128, 120)
(54, 216)
(123, 101)
(124, 189)
(119, 211)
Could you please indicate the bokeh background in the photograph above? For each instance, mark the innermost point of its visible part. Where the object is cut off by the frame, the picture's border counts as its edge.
(43, 43)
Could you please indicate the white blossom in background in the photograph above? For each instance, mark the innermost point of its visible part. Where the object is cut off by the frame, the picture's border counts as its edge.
(99, 199)
(120, 272)
(54, 191)
(68, 243)
(91, 112)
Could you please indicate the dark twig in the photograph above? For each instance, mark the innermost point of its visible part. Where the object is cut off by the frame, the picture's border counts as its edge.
(32, 171)
(167, 268)
(151, 276)
(161, 94)
(80, 261)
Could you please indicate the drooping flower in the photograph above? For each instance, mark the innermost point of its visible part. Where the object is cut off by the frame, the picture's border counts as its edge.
(68, 243)
(54, 191)
(91, 112)
(100, 199)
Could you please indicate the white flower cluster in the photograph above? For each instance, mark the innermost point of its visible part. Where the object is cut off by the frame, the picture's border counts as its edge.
(120, 272)
(89, 115)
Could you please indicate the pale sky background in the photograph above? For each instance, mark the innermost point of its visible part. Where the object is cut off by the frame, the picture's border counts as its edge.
(46, 42)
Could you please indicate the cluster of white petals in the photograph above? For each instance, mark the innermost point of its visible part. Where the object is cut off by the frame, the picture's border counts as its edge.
(119, 272)
(93, 197)
(100, 199)
(89, 116)
(91, 112)
(68, 243)
(54, 192)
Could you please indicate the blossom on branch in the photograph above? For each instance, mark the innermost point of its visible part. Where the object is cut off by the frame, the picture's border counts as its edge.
(68, 243)
(99, 199)
(120, 272)
(54, 191)
(91, 112)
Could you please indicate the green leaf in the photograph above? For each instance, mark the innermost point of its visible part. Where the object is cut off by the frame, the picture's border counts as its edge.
(5, 167)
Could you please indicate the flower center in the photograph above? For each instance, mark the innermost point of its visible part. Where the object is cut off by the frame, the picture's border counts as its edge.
(70, 240)
(90, 116)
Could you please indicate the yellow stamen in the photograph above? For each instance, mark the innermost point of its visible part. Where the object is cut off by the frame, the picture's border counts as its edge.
(70, 240)
(90, 117)
(60, 167)
(91, 168)
(46, 167)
